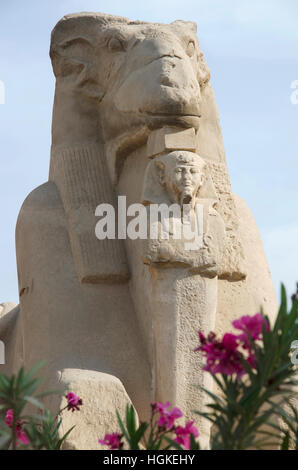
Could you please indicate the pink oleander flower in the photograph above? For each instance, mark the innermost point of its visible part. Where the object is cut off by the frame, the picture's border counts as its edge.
(22, 436)
(73, 401)
(20, 433)
(9, 418)
(113, 441)
(167, 417)
(160, 407)
(222, 357)
(252, 325)
(183, 434)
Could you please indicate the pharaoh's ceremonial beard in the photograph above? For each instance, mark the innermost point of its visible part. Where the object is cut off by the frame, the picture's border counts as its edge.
(187, 197)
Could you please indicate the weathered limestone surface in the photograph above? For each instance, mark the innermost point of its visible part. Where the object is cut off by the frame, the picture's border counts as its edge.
(87, 331)
(169, 138)
(134, 115)
(256, 289)
(104, 394)
(11, 336)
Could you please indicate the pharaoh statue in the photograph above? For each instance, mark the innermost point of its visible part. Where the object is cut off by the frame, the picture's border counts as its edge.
(116, 319)
(180, 179)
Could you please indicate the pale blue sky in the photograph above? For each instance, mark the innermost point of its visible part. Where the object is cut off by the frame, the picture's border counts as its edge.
(251, 47)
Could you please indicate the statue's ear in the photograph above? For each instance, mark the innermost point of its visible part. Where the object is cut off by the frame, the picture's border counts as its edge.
(74, 60)
(203, 73)
(73, 53)
(160, 167)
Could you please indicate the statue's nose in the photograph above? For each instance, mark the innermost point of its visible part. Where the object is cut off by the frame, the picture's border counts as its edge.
(186, 176)
(173, 65)
(166, 45)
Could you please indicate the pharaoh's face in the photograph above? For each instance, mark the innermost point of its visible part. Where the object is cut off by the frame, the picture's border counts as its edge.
(182, 176)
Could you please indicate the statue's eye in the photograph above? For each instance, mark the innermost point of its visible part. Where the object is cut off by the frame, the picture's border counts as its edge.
(178, 170)
(190, 48)
(194, 170)
(115, 45)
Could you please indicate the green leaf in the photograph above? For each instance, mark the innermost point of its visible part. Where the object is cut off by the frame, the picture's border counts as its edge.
(60, 442)
(173, 443)
(28, 376)
(286, 441)
(34, 402)
(122, 427)
(194, 445)
(141, 431)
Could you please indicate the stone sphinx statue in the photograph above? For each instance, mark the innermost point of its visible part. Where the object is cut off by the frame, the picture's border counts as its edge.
(134, 115)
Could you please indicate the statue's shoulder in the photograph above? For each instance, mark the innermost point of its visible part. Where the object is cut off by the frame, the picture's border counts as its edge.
(45, 195)
(43, 202)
